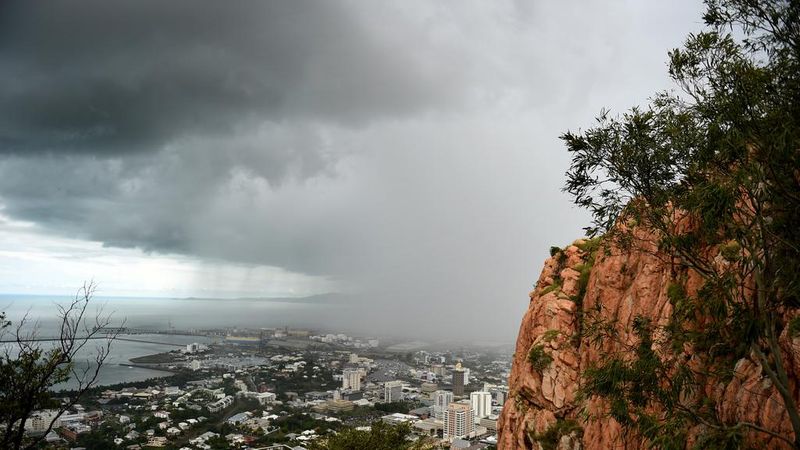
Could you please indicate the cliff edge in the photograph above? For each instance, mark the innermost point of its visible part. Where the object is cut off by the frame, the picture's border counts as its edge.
(544, 409)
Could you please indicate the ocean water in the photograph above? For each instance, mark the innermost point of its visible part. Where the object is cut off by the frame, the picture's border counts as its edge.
(162, 314)
(114, 369)
(183, 314)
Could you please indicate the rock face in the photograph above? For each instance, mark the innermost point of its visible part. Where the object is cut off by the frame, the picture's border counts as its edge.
(543, 394)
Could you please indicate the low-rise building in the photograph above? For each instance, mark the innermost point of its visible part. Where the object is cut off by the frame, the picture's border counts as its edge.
(265, 398)
(157, 441)
(429, 427)
(490, 423)
(398, 418)
(220, 404)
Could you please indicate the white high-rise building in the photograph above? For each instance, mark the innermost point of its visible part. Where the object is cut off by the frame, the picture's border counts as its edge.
(459, 421)
(498, 392)
(392, 391)
(481, 402)
(499, 396)
(351, 379)
(440, 401)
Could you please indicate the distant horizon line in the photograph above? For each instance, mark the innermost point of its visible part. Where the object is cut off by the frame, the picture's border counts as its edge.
(11, 294)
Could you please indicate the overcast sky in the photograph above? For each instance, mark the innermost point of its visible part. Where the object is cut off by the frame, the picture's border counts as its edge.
(406, 152)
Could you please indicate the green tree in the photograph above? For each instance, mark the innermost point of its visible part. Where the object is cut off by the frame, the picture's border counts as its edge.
(381, 436)
(394, 407)
(710, 170)
(30, 367)
(218, 443)
(96, 440)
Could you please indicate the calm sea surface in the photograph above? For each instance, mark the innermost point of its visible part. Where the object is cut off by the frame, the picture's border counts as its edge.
(161, 314)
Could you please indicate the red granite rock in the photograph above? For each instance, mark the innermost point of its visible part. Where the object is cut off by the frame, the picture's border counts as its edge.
(626, 285)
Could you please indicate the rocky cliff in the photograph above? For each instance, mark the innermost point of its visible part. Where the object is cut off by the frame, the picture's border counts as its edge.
(544, 409)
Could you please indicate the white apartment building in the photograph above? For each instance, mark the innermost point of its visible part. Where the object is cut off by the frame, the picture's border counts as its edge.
(481, 402)
(40, 420)
(393, 391)
(220, 404)
(440, 401)
(351, 379)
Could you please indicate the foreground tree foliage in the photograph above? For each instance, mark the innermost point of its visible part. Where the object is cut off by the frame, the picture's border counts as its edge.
(381, 436)
(29, 367)
(712, 172)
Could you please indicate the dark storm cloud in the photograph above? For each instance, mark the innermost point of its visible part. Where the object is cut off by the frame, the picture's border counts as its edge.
(122, 120)
(407, 149)
(132, 76)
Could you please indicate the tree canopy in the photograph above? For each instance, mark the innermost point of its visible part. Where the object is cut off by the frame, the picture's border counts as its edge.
(29, 368)
(381, 436)
(712, 171)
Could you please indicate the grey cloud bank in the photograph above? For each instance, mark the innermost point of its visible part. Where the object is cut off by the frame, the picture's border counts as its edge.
(406, 150)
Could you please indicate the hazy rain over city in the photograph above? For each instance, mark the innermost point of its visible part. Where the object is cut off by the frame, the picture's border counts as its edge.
(402, 154)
